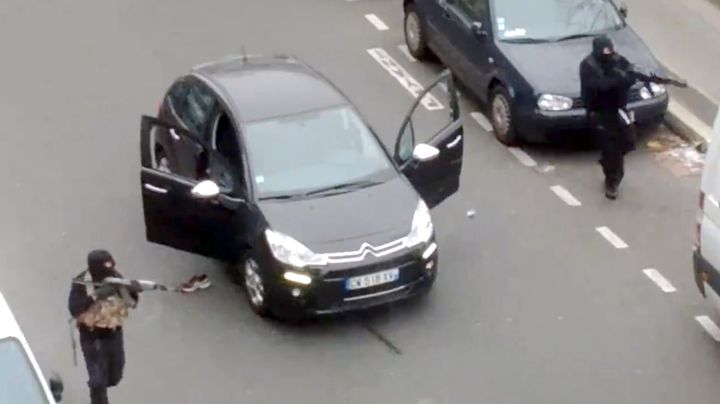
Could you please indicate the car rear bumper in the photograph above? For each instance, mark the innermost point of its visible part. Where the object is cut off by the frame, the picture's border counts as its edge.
(536, 125)
(328, 294)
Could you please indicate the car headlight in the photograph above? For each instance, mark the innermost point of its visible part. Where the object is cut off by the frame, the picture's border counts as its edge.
(292, 252)
(421, 230)
(550, 102)
(657, 89)
(645, 93)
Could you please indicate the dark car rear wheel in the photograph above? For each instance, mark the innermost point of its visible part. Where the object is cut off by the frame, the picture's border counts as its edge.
(415, 33)
(502, 116)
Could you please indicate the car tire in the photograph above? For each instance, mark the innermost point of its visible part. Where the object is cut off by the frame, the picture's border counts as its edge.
(249, 275)
(416, 33)
(502, 116)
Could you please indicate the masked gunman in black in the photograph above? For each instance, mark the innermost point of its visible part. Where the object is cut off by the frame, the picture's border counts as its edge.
(606, 78)
(99, 312)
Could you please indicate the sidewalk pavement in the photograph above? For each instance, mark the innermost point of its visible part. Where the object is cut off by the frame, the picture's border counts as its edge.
(684, 36)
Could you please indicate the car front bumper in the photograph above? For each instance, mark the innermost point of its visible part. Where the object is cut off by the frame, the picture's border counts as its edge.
(536, 125)
(327, 293)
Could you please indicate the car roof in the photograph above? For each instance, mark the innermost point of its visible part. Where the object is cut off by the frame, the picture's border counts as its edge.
(262, 87)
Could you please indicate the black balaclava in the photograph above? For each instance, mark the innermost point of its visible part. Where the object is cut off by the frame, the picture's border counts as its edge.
(599, 44)
(100, 264)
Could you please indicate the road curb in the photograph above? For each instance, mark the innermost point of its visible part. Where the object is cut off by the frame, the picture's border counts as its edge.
(688, 126)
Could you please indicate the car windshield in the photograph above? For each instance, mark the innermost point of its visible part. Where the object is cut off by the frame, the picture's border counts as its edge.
(18, 381)
(550, 20)
(297, 154)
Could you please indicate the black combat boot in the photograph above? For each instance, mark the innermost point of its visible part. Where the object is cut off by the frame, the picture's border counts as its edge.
(611, 190)
(98, 395)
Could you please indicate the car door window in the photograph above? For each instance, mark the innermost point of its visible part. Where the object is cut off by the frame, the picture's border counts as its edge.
(199, 102)
(224, 141)
(428, 118)
(475, 10)
(218, 168)
(176, 96)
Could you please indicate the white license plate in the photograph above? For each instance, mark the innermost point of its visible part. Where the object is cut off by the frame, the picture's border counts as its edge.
(370, 280)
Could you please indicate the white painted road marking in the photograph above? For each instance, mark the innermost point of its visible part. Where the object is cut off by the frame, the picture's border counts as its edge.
(611, 237)
(522, 157)
(659, 280)
(482, 121)
(565, 195)
(377, 22)
(404, 78)
(406, 52)
(709, 326)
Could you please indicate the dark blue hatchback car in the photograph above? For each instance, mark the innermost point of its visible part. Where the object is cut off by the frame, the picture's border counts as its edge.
(522, 58)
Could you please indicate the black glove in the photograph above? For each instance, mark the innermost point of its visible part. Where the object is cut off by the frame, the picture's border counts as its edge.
(105, 291)
(135, 287)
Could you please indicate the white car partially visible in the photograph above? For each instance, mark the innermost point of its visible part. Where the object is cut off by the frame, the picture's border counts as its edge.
(706, 254)
(21, 380)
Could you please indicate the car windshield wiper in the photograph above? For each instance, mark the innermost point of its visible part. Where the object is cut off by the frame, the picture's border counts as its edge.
(349, 186)
(574, 36)
(280, 197)
(525, 40)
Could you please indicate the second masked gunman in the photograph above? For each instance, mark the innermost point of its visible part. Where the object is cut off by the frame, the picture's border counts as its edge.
(99, 313)
(606, 79)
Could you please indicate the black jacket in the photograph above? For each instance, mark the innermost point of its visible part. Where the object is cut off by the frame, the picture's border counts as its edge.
(605, 87)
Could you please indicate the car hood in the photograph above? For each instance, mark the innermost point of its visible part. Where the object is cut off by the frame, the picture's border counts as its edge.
(342, 222)
(554, 67)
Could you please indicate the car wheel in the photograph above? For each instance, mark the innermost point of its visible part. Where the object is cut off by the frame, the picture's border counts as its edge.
(254, 285)
(502, 117)
(415, 34)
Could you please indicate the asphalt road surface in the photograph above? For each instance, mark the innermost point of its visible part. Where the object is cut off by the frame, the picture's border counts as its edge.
(535, 302)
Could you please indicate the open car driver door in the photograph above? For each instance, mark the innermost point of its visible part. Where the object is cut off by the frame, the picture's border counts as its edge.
(181, 210)
(433, 166)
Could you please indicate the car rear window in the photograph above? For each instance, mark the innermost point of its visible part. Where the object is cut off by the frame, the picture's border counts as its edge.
(18, 381)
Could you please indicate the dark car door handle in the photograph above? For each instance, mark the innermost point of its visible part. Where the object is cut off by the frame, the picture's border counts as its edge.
(455, 142)
(153, 188)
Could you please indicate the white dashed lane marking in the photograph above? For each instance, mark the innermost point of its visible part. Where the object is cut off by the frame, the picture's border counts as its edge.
(522, 157)
(404, 78)
(565, 195)
(659, 280)
(611, 237)
(376, 22)
(709, 326)
(482, 121)
(406, 52)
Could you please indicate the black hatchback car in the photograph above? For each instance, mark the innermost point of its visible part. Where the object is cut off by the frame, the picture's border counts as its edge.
(262, 162)
(522, 58)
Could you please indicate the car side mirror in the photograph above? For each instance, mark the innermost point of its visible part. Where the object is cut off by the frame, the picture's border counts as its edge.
(56, 387)
(624, 10)
(424, 152)
(205, 190)
(478, 29)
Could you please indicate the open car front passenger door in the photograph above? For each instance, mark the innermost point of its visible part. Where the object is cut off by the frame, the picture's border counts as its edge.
(434, 165)
(178, 213)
